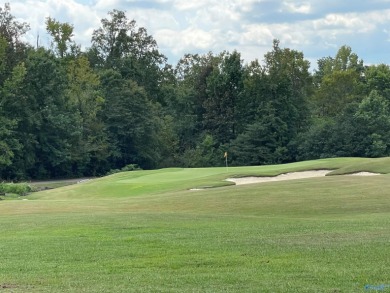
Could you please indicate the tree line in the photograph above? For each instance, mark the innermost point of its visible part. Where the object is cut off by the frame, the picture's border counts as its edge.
(67, 112)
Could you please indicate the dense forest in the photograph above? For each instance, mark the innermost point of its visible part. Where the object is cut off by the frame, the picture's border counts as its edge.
(67, 112)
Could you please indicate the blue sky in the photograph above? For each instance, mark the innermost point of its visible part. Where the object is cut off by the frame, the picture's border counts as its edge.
(315, 27)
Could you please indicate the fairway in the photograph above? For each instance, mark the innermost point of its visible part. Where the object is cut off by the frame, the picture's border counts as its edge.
(146, 231)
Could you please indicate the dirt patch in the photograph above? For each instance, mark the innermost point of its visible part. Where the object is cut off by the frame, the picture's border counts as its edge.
(8, 286)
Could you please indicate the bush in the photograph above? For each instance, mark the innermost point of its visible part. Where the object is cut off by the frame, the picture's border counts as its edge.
(130, 167)
(16, 188)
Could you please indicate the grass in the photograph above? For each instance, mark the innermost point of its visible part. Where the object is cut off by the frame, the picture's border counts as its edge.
(144, 231)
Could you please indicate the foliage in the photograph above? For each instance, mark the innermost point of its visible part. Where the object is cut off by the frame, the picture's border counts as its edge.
(131, 125)
(69, 112)
(62, 34)
(206, 154)
(288, 86)
(261, 143)
(86, 101)
(373, 121)
(377, 77)
(224, 86)
(11, 31)
(127, 168)
(15, 188)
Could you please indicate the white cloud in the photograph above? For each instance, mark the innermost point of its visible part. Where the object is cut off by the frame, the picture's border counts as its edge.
(188, 40)
(289, 35)
(181, 26)
(197, 38)
(153, 20)
(189, 5)
(352, 23)
(294, 7)
(302, 33)
(36, 12)
(106, 5)
(259, 34)
(237, 5)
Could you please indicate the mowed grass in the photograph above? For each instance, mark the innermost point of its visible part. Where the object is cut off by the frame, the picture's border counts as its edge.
(145, 231)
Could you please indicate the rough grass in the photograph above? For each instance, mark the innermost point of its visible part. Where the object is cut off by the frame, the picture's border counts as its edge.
(146, 232)
(378, 165)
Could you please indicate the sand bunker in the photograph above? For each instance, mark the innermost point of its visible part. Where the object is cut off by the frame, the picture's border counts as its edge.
(287, 176)
(363, 174)
(281, 177)
(290, 176)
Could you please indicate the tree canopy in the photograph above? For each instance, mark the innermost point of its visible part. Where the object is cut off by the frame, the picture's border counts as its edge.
(67, 112)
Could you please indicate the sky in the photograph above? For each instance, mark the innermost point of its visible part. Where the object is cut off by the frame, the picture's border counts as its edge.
(317, 28)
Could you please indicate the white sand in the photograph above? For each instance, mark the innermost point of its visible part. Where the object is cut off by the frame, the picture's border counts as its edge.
(290, 176)
(281, 177)
(363, 174)
(287, 176)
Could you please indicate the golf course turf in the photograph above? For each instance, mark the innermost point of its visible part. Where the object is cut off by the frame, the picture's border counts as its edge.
(146, 231)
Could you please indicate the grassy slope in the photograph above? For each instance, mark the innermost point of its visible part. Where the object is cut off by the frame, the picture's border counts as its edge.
(174, 179)
(146, 232)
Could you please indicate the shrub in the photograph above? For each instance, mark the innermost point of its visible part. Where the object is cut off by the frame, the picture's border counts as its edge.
(16, 188)
(130, 167)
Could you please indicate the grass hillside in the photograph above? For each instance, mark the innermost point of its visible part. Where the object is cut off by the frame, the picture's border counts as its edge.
(145, 231)
(138, 183)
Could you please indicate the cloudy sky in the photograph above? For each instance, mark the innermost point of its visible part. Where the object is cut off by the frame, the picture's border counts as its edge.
(315, 27)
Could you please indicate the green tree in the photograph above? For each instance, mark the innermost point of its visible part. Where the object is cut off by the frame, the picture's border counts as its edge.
(132, 71)
(289, 85)
(8, 92)
(14, 49)
(377, 78)
(119, 44)
(360, 130)
(373, 125)
(119, 38)
(130, 121)
(317, 142)
(255, 97)
(336, 91)
(62, 34)
(205, 154)
(345, 59)
(338, 83)
(263, 142)
(46, 124)
(12, 74)
(224, 87)
(192, 73)
(90, 148)
(110, 42)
